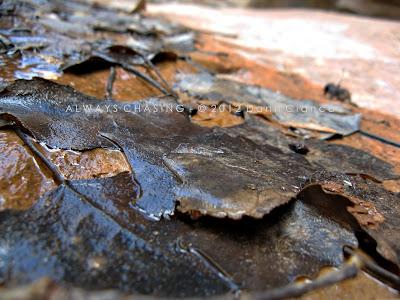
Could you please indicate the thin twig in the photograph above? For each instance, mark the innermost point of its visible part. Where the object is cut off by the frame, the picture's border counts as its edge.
(379, 138)
(198, 66)
(159, 75)
(146, 78)
(110, 83)
(349, 270)
(370, 266)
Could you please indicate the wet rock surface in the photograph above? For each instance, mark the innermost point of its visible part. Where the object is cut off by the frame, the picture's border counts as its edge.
(151, 173)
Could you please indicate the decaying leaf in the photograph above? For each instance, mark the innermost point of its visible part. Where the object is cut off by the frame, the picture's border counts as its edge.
(56, 36)
(106, 254)
(172, 160)
(115, 247)
(24, 178)
(322, 155)
(266, 179)
(375, 209)
(304, 114)
(240, 210)
(170, 156)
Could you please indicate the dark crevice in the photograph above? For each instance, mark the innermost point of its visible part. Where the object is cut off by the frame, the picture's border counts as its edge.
(369, 246)
(374, 269)
(90, 65)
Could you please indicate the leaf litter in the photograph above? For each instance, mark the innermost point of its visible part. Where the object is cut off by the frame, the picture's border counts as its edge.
(297, 211)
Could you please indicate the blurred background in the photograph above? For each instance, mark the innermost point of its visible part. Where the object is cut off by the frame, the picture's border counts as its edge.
(375, 8)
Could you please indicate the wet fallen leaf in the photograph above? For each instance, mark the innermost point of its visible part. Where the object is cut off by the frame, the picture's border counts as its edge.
(322, 155)
(72, 35)
(304, 114)
(113, 244)
(375, 209)
(184, 160)
(182, 154)
(126, 161)
(22, 180)
(96, 163)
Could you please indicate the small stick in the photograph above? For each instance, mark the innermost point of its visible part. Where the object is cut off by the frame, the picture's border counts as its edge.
(349, 270)
(379, 138)
(146, 78)
(158, 73)
(110, 83)
(198, 66)
(376, 270)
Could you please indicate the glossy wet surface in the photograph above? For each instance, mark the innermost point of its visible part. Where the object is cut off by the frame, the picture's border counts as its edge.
(161, 169)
